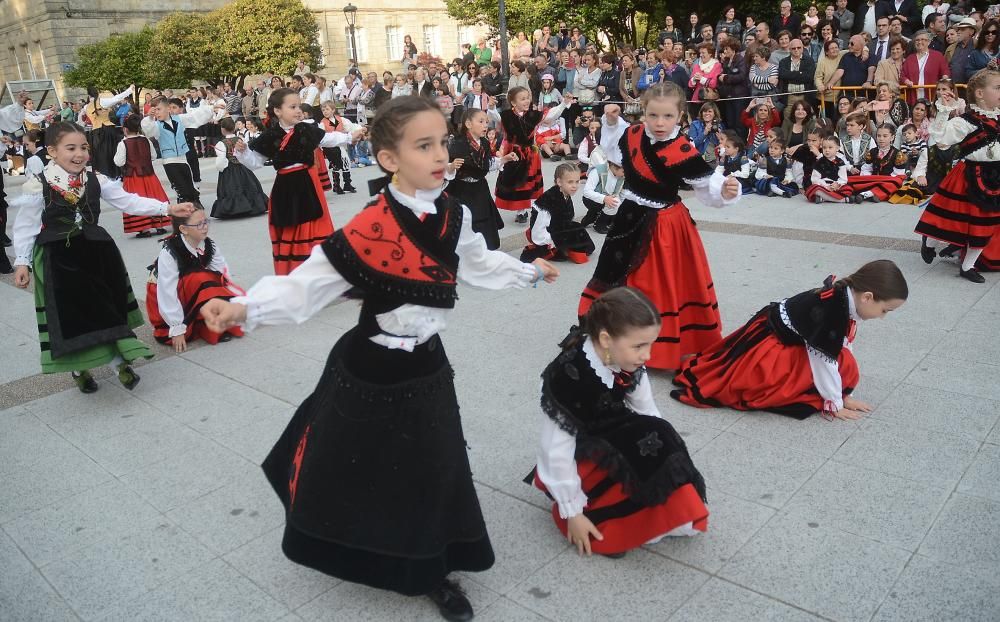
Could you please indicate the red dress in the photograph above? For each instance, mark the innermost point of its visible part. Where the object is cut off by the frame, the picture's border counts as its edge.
(881, 183)
(765, 365)
(658, 250)
(520, 182)
(138, 177)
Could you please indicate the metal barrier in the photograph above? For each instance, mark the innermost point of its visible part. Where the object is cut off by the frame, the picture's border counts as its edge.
(869, 93)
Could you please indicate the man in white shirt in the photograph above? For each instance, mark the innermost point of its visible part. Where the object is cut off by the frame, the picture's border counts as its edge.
(349, 97)
(325, 92)
(878, 49)
(613, 126)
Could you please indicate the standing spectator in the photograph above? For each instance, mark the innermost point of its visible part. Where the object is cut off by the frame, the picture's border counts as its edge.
(937, 25)
(520, 48)
(673, 69)
(844, 16)
(852, 70)
(325, 92)
(889, 70)
(764, 35)
(750, 26)
(878, 49)
(588, 76)
(763, 74)
(693, 31)
(300, 68)
(705, 72)
(518, 75)
(707, 35)
(812, 15)
(577, 40)
(787, 20)
(796, 74)
(547, 44)
(864, 18)
(828, 32)
(781, 52)
(934, 6)
(828, 75)
(729, 24)
(409, 52)
(986, 47)
(465, 80)
(482, 52)
(491, 78)
(248, 105)
(351, 94)
(896, 28)
(734, 81)
(400, 87)
(607, 86)
(670, 32)
(924, 66)
(906, 9)
(813, 48)
(963, 50)
(628, 86)
(234, 101)
(566, 76)
(382, 91)
(421, 85)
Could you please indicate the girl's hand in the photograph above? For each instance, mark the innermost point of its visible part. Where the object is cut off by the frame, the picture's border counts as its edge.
(569, 100)
(456, 164)
(357, 135)
(510, 157)
(240, 147)
(835, 186)
(221, 315)
(921, 181)
(180, 210)
(179, 343)
(549, 272)
(856, 405)
(22, 97)
(22, 277)
(847, 413)
(946, 97)
(610, 201)
(730, 188)
(578, 532)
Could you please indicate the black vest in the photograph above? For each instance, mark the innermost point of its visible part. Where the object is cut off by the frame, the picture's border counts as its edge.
(59, 217)
(188, 262)
(558, 205)
(821, 318)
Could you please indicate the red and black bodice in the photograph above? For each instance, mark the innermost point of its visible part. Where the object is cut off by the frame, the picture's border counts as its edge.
(138, 158)
(288, 148)
(885, 164)
(519, 129)
(477, 158)
(821, 319)
(983, 177)
(655, 172)
(829, 169)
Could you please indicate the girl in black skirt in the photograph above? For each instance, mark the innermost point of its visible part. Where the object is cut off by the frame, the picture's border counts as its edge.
(472, 160)
(372, 468)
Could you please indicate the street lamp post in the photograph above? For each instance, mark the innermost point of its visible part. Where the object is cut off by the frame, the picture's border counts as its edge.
(351, 13)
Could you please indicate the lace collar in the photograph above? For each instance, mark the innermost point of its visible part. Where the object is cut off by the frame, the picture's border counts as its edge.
(989, 114)
(653, 139)
(852, 309)
(422, 203)
(604, 372)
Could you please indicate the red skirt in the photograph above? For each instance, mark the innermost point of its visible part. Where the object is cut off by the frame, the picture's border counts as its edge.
(768, 375)
(520, 183)
(951, 217)
(676, 277)
(989, 261)
(319, 163)
(291, 246)
(148, 186)
(193, 290)
(882, 186)
(827, 194)
(624, 533)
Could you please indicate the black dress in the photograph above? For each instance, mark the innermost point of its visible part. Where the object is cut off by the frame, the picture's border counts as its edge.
(239, 192)
(569, 238)
(470, 188)
(372, 468)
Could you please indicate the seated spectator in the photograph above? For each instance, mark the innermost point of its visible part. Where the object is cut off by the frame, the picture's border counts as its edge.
(798, 123)
(763, 118)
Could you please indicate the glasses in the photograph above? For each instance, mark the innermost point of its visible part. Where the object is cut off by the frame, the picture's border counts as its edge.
(202, 225)
(991, 32)
(796, 47)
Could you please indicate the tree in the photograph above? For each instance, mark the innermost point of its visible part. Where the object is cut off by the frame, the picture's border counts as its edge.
(256, 37)
(183, 50)
(113, 64)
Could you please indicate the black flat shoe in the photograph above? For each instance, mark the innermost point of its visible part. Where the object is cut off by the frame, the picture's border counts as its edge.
(614, 555)
(225, 337)
(817, 200)
(926, 252)
(160, 231)
(949, 251)
(350, 188)
(971, 275)
(452, 602)
(127, 376)
(85, 382)
(144, 234)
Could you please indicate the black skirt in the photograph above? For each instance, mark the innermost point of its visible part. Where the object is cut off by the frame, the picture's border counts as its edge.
(103, 144)
(294, 198)
(486, 220)
(373, 472)
(239, 193)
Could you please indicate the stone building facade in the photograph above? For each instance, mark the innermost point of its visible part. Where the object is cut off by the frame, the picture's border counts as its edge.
(39, 38)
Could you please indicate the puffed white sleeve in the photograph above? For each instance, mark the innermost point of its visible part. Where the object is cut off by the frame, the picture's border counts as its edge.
(556, 468)
(118, 198)
(11, 118)
(842, 175)
(250, 158)
(641, 399)
(150, 127)
(119, 158)
(540, 230)
(866, 169)
(708, 189)
(33, 166)
(480, 267)
(583, 152)
(590, 188)
(111, 101)
(197, 117)
(296, 297)
(27, 225)
(946, 132)
(167, 275)
(826, 377)
(920, 170)
(334, 139)
(221, 161)
(553, 114)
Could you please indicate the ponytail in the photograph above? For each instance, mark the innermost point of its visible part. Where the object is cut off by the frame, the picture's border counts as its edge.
(881, 277)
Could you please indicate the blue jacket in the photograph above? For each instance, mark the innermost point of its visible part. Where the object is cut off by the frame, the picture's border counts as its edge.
(172, 142)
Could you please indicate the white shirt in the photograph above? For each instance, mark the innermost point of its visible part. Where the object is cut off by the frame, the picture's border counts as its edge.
(594, 178)
(253, 160)
(28, 223)
(196, 118)
(221, 161)
(612, 134)
(326, 95)
(946, 132)
(316, 283)
(556, 462)
(12, 118)
(120, 154)
(34, 166)
(309, 94)
(167, 277)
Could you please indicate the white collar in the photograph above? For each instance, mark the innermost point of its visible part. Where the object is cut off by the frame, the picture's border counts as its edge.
(604, 372)
(852, 309)
(653, 139)
(990, 114)
(192, 249)
(707, 65)
(57, 176)
(422, 203)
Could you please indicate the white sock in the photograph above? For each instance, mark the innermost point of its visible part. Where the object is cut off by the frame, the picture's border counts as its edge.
(776, 189)
(930, 242)
(115, 362)
(971, 255)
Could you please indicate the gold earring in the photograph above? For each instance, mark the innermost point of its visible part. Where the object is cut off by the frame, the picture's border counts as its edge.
(395, 178)
(607, 357)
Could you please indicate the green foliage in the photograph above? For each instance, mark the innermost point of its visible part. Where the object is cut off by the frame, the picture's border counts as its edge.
(114, 63)
(183, 50)
(266, 36)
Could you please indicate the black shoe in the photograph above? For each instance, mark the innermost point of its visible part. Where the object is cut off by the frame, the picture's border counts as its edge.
(225, 337)
(349, 188)
(971, 275)
(85, 382)
(452, 602)
(817, 200)
(949, 251)
(926, 252)
(614, 555)
(127, 376)
(160, 231)
(858, 199)
(521, 218)
(555, 157)
(144, 234)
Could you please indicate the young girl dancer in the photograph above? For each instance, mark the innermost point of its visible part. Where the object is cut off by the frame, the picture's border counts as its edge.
(471, 161)
(653, 244)
(372, 468)
(84, 302)
(794, 357)
(619, 474)
(520, 182)
(965, 210)
(134, 156)
(338, 157)
(299, 216)
(189, 272)
(34, 153)
(553, 233)
(239, 192)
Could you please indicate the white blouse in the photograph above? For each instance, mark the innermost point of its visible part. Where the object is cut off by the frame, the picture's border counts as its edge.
(316, 283)
(945, 132)
(253, 160)
(12, 118)
(556, 456)
(28, 223)
(167, 277)
(120, 154)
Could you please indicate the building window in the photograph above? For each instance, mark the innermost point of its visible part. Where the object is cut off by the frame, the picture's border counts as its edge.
(361, 36)
(394, 43)
(467, 34)
(432, 40)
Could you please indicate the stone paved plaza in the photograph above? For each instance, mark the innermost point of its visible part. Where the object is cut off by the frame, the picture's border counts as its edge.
(149, 505)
